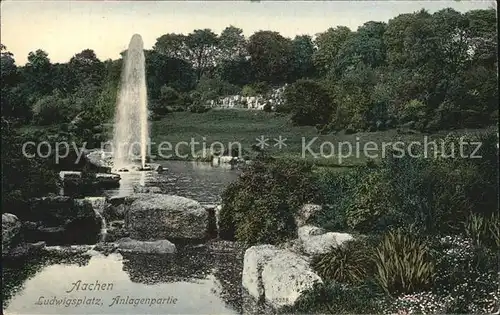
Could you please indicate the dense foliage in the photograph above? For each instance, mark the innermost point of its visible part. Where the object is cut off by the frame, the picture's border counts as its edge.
(425, 71)
(260, 206)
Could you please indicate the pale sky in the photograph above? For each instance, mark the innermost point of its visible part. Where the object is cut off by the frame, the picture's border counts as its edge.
(64, 28)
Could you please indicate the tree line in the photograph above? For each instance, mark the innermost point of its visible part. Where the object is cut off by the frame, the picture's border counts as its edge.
(426, 71)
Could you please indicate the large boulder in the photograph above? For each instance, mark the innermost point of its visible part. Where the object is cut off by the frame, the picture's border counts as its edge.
(253, 263)
(159, 216)
(148, 247)
(98, 204)
(285, 278)
(276, 275)
(62, 220)
(315, 240)
(11, 227)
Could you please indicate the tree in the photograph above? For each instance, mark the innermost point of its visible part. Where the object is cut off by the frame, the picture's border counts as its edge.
(199, 48)
(366, 45)
(309, 103)
(328, 46)
(37, 74)
(302, 58)
(87, 68)
(12, 100)
(163, 70)
(270, 56)
(232, 44)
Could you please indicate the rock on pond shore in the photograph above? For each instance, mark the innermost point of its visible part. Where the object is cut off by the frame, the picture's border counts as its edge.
(276, 275)
(159, 216)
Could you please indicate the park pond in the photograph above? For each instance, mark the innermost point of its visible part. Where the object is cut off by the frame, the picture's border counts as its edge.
(198, 278)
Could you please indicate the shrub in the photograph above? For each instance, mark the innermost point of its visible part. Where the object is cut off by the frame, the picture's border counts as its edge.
(350, 263)
(414, 110)
(371, 199)
(403, 264)
(308, 102)
(483, 231)
(338, 298)
(467, 275)
(53, 109)
(248, 91)
(198, 108)
(260, 206)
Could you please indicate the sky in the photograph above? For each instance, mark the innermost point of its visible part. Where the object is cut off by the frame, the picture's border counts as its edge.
(64, 28)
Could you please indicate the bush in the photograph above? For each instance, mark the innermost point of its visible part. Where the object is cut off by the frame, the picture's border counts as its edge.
(23, 177)
(403, 264)
(260, 206)
(248, 91)
(338, 298)
(308, 102)
(483, 231)
(371, 199)
(350, 263)
(53, 109)
(467, 275)
(198, 108)
(414, 110)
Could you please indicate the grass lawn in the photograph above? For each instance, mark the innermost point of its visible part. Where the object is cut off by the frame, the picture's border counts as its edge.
(243, 126)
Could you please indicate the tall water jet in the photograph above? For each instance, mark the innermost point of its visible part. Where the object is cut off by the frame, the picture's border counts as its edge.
(131, 119)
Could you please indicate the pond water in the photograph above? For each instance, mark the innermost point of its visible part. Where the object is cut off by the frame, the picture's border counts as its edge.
(195, 280)
(196, 180)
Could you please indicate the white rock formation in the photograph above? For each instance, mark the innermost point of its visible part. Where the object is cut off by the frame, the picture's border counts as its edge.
(11, 227)
(285, 277)
(315, 240)
(253, 263)
(305, 213)
(279, 276)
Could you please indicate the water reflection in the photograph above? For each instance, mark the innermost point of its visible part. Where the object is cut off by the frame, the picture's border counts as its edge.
(54, 281)
(199, 181)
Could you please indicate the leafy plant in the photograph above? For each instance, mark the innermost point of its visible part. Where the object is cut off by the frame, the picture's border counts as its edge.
(260, 206)
(338, 298)
(403, 264)
(349, 263)
(483, 231)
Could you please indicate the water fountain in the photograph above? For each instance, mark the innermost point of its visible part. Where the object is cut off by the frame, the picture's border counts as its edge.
(131, 120)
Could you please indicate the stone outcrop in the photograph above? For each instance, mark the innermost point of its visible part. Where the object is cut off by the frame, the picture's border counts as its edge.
(253, 263)
(149, 247)
(62, 220)
(11, 227)
(159, 216)
(25, 249)
(315, 240)
(273, 99)
(278, 276)
(305, 213)
(285, 277)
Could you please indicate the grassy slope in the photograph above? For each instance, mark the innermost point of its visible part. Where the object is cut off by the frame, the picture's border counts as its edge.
(245, 126)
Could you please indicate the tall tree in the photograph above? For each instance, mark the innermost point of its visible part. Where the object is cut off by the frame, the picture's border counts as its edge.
(328, 46)
(232, 44)
(302, 65)
(270, 56)
(37, 73)
(199, 48)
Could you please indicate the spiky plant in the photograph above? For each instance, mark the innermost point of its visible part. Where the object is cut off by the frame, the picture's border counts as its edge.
(348, 263)
(403, 264)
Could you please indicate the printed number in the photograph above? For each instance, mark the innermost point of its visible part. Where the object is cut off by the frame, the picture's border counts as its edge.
(281, 299)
